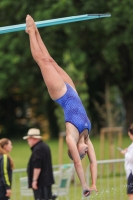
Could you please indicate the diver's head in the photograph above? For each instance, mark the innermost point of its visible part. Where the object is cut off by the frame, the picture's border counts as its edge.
(82, 149)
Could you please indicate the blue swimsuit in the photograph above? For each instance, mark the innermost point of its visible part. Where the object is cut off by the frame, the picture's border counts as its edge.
(74, 111)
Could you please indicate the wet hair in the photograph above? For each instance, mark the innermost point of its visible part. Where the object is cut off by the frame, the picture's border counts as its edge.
(131, 129)
(3, 142)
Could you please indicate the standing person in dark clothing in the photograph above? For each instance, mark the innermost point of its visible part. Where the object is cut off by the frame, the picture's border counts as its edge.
(6, 166)
(39, 169)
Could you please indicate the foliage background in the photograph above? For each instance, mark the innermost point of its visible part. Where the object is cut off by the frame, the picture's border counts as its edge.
(97, 54)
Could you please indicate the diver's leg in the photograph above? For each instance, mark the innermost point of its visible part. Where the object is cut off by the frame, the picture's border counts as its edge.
(52, 78)
(44, 50)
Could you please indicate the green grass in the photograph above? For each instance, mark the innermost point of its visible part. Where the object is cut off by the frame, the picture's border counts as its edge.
(21, 153)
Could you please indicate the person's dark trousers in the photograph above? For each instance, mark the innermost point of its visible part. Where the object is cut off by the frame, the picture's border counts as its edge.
(3, 193)
(43, 193)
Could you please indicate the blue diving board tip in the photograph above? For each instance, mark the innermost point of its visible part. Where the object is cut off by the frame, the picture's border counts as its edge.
(52, 22)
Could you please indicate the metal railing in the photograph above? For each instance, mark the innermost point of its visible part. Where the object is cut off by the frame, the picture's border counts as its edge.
(111, 182)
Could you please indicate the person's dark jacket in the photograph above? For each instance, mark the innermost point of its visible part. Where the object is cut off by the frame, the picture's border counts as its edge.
(5, 172)
(40, 158)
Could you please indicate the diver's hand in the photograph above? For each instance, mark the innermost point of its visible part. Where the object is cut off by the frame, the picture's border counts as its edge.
(86, 192)
(93, 188)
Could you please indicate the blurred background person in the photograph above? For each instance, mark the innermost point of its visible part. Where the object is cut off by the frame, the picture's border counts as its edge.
(39, 169)
(128, 153)
(6, 167)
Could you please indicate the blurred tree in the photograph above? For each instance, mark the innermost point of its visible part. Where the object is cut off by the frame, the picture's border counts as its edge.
(108, 47)
(20, 78)
(100, 49)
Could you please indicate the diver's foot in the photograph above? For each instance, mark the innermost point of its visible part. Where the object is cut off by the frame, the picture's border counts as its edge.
(30, 24)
